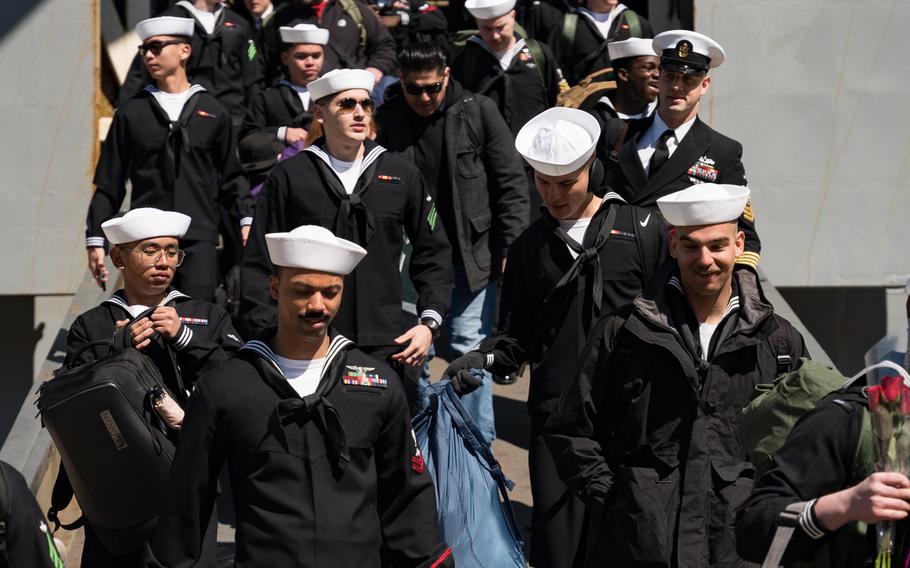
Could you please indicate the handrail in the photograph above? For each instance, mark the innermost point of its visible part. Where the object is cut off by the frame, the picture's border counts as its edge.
(28, 446)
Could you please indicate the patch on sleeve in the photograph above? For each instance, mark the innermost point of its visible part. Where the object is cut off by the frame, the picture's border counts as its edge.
(432, 217)
(363, 377)
(251, 51)
(417, 463)
(748, 214)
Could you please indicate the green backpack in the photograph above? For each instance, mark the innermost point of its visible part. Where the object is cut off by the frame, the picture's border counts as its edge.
(459, 42)
(570, 28)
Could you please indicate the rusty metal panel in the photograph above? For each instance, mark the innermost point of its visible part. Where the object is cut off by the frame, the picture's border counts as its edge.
(48, 61)
(817, 90)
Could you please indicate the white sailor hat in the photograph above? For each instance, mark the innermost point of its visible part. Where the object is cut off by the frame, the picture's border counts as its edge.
(314, 248)
(558, 141)
(688, 52)
(487, 9)
(304, 33)
(341, 80)
(704, 204)
(145, 223)
(632, 47)
(165, 25)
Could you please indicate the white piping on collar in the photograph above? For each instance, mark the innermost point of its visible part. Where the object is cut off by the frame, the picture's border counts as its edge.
(732, 305)
(368, 158)
(339, 343)
(613, 196)
(118, 300)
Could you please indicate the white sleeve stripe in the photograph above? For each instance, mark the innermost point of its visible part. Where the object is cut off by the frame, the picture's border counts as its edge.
(433, 315)
(94, 242)
(807, 522)
(246, 221)
(186, 335)
(489, 361)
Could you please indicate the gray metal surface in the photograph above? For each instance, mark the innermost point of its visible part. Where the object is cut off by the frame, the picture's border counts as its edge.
(47, 118)
(815, 90)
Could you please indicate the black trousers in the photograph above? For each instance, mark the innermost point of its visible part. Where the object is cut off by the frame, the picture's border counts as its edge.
(197, 277)
(558, 516)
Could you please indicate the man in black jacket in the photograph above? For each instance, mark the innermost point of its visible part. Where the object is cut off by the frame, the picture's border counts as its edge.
(647, 434)
(325, 469)
(346, 182)
(587, 255)
(174, 142)
(465, 151)
(674, 149)
(224, 57)
(184, 336)
(285, 111)
(411, 21)
(581, 46)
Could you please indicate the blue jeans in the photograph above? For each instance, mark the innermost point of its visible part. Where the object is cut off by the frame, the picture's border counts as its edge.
(469, 322)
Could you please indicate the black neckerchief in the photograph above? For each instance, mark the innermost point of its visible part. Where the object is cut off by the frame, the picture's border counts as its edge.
(291, 100)
(315, 407)
(177, 138)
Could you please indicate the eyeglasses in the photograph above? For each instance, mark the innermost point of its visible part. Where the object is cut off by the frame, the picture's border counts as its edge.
(417, 90)
(151, 255)
(348, 104)
(156, 46)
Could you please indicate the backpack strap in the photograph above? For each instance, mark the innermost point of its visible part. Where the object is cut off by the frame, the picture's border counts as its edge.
(61, 496)
(648, 247)
(786, 525)
(784, 359)
(353, 11)
(634, 23)
(864, 458)
(539, 58)
(569, 28)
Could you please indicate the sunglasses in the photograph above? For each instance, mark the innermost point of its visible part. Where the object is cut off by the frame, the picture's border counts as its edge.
(156, 46)
(348, 104)
(418, 90)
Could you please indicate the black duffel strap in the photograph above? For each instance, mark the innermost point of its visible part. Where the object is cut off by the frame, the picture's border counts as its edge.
(61, 496)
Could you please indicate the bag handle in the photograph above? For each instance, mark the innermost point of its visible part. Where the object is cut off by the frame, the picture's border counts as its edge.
(786, 525)
(883, 365)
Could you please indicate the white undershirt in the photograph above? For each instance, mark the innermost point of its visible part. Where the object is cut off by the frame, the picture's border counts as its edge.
(705, 333)
(304, 95)
(506, 57)
(648, 142)
(603, 21)
(136, 309)
(206, 19)
(576, 229)
(172, 103)
(348, 172)
(302, 374)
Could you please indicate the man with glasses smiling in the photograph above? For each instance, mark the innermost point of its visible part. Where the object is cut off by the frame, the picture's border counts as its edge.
(198, 335)
(174, 143)
(464, 149)
(347, 183)
(673, 149)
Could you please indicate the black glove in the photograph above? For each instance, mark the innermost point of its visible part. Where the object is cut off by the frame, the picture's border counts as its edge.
(459, 371)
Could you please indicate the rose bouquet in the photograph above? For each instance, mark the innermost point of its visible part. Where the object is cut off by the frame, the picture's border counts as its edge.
(889, 403)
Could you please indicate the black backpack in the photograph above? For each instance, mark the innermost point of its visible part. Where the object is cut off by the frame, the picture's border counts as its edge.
(115, 451)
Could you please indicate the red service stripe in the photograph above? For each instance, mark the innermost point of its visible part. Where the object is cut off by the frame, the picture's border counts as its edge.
(442, 558)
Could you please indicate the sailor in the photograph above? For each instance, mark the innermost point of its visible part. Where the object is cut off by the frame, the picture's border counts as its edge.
(587, 255)
(464, 150)
(196, 335)
(587, 31)
(637, 69)
(673, 149)
(655, 451)
(286, 110)
(325, 469)
(174, 143)
(346, 182)
(224, 57)
(520, 75)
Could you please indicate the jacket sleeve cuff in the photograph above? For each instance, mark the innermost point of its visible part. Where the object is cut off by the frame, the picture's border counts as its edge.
(405, 17)
(432, 314)
(809, 522)
(92, 242)
(246, 221)
(184, 336)
(282, 133)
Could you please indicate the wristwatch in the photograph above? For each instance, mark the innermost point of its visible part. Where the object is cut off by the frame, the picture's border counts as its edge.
(432, 324)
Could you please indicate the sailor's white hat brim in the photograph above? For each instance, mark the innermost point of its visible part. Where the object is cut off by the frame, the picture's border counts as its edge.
(315, 248)
(145, 223)
(341, 80)
(165, 26)
(304, 33)
(585, 132)
(704, 204)
(632, 47)
(488, 9)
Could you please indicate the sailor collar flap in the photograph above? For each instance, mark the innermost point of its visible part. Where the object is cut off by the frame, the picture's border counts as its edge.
(118, 299)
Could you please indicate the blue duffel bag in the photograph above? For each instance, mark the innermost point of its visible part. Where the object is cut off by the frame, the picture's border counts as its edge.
(475, 514)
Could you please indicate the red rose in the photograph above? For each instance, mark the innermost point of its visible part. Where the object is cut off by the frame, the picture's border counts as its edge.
(905, 399)
(874, 394)
(891, 388)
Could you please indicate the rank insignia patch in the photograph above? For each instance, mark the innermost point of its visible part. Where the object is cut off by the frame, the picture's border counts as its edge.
(417, 464)
(194, 321)
(363, 377)
(683, 49)
(432, 217)
(704, 169)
